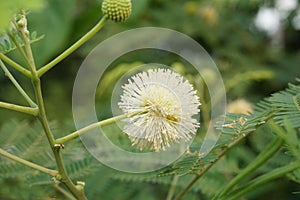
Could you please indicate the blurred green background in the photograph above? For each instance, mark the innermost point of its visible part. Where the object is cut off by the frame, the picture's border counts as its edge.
(255, 44)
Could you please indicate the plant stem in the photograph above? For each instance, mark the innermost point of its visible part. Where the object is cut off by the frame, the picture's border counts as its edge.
(56, 150)
(15, 65)
(20, 49)
(28, 164)
(202, 171)
(220, 155)
(172, 187)
(265, 155)
(75, 46)
(93, 126)
(64, 178)
(79, 194)
(64, 192)
(279, 172)
(17, 85)
(284, 134)
(22, 109)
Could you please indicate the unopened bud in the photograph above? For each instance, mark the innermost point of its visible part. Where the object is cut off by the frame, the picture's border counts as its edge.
(117, 10)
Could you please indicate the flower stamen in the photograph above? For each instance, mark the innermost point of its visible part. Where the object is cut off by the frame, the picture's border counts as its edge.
(168, 103)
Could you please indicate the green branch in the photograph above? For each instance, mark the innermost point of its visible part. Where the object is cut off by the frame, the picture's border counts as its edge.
(224, 150)
(15, 65)
(17, 85)
(202, 171)
(19, 47)
(250, 186)
(93, 126)
(64, 178)
(172, 187)
(265, 155)
(28, 164)
(22, 109)
(64, 192)
(71, 49)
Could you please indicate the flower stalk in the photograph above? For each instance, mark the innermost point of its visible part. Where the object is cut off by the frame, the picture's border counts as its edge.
(86, 129)
(74, 47)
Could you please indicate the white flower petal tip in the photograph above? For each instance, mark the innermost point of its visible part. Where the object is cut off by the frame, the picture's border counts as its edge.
(166, 104)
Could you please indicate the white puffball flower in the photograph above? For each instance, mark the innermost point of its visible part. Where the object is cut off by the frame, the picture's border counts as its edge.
(296, 21)
(166, 103)
(268, 20)
(286, 5)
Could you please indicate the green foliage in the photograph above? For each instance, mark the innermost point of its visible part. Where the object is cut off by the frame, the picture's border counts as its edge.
(252, 66)
(287, 105)
(56, 23)
(6, 45)
(27, 141)
(234, 128)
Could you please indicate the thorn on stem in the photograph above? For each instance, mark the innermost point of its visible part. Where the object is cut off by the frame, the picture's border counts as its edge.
(60, 146)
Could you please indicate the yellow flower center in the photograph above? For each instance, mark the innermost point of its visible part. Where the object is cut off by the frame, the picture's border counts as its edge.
(160, 103)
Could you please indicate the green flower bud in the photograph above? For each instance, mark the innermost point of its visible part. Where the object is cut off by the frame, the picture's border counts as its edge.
(116, 10)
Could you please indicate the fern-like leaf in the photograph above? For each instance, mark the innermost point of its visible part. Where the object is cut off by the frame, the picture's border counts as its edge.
(29, 142)
(287, 105)
(6, 45)
(25, 141)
